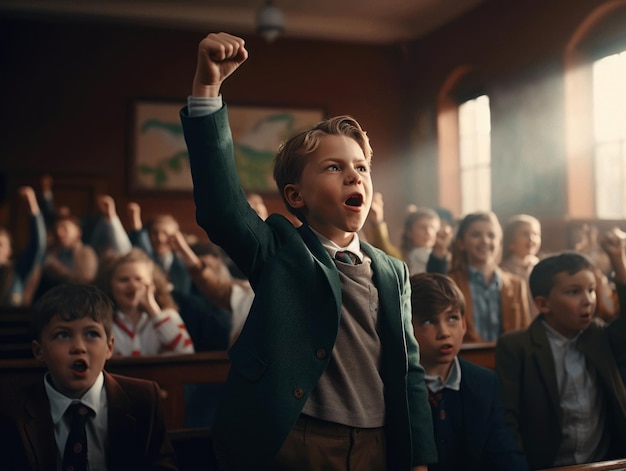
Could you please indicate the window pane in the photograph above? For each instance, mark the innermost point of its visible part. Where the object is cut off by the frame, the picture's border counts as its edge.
(609, 116)
(475, 154)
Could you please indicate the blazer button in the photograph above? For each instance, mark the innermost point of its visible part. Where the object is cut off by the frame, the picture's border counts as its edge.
(298, 393)
(320, 353)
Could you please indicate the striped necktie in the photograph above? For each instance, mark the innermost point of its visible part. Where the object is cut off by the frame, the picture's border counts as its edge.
(347, 257)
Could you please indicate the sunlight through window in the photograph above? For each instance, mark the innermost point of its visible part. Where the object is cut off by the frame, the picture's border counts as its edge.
(609, 116)
(475, 154)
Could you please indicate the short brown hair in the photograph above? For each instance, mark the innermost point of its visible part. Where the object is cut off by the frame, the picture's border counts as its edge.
(71, 301)
(291, 158)
(411, 220)
(433, 293)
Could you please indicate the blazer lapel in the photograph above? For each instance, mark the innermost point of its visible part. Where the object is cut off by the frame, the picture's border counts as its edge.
(122, 424)
(542, 355)
(386, 280)
(39, 428)
(323, 260)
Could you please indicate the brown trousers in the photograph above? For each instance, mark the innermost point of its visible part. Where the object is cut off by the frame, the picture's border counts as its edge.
(318, 445)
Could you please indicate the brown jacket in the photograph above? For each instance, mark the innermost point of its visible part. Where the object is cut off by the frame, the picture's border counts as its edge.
(137, 438)
(513, 301)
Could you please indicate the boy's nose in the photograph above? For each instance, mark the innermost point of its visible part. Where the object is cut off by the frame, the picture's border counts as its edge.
(78, 345)
(353, 176)
(590, 297)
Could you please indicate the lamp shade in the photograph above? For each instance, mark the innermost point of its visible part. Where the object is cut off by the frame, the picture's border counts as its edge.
(270, 22)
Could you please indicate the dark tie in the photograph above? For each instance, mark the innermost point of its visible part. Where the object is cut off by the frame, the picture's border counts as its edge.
(347, 257)
(75, 455)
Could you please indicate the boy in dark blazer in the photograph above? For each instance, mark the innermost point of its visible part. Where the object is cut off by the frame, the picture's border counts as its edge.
(468, 413)
(328, 348)
(125, 428)
(563, 393)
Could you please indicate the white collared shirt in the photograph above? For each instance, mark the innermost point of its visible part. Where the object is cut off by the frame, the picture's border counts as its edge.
(453, 381)
(97, 426)
(581, 403)
(332, 248)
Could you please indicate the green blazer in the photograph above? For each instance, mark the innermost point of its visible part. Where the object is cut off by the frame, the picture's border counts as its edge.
(289, 335)
(526, 369)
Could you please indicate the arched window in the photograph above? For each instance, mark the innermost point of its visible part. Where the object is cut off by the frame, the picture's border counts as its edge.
(464, 142)
(595, 100)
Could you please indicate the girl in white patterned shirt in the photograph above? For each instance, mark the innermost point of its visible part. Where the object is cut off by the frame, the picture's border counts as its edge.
(146, 321)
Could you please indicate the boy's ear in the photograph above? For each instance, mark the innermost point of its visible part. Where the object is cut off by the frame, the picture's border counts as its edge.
(110, 344)
(292, 196)
(36, 347)
(542, 304)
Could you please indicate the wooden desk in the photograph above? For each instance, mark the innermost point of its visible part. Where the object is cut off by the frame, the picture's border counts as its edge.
(613, 465)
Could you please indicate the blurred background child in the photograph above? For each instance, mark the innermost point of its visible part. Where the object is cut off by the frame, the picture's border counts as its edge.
(146, 321)
(496, 301)
(521, 242)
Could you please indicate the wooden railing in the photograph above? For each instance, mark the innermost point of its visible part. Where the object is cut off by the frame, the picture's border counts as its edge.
(172, 373)
(480, 353)
(15, 335)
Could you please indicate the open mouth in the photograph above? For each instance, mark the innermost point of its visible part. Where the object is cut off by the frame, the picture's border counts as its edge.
(79, 366)
(446, 348)
(354, 200)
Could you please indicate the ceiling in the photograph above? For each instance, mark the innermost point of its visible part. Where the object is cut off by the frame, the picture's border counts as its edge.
(369, 21)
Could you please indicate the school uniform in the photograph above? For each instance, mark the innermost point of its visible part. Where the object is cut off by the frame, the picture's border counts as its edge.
(526, 366)
(288, 338)
(137, 436)
(468, 416)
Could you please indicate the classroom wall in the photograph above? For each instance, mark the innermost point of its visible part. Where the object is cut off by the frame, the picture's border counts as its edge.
(67, 87)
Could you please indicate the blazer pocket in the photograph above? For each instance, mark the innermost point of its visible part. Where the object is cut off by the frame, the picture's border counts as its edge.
(247, 364)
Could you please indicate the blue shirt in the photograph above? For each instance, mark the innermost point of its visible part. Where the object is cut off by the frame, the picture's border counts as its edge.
(486, 304)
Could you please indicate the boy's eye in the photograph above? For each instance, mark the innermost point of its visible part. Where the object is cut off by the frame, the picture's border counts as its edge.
(333, 167)
(427, 322)
(60, 335)
(454, 319)
(363, 168)
(93, 334)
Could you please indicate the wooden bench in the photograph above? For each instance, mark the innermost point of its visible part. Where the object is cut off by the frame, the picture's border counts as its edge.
(15, 335)
(613, 465)
(480, 353)
(171, 372)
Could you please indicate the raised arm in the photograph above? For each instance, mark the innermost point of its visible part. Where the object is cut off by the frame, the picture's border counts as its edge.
(109, 235)
(137, 234)
(36, 246)
(222, 209)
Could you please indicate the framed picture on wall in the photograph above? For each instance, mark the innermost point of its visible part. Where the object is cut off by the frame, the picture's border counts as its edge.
(159, 160)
